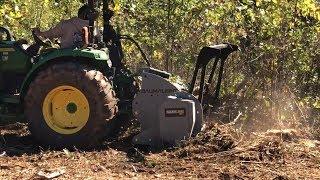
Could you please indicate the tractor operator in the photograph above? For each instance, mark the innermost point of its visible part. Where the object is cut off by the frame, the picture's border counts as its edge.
(69, 31)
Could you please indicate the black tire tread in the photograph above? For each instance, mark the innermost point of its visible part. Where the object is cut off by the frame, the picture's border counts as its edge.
(105, 100)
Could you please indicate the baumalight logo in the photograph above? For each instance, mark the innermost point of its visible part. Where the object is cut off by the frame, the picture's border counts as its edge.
(164, 91)
(175, 112)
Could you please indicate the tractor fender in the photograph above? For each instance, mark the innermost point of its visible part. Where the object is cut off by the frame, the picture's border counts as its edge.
(86, 56)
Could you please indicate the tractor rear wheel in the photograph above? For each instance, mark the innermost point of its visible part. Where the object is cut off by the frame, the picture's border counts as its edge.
(70, 105)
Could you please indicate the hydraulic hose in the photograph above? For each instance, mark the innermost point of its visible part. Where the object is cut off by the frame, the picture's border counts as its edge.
(126, 37)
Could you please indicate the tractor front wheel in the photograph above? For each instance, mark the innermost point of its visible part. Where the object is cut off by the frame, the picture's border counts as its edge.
(70, 105)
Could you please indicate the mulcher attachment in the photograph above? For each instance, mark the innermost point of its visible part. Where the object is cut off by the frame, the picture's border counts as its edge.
(167, 114)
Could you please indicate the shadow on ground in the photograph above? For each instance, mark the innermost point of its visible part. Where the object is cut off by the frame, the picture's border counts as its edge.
(16, 140)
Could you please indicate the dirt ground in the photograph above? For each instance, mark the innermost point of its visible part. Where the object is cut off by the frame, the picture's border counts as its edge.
(219, 152)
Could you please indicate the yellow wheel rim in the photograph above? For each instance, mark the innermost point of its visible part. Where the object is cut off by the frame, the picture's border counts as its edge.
(66, 110)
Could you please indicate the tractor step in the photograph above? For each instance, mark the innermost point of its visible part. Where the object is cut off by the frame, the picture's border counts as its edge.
(11, 99)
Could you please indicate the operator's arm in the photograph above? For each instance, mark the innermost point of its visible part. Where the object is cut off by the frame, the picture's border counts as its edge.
(55, 32)
(85, 37)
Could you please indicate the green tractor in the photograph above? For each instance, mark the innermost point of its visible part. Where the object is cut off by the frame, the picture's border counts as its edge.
(68, 97)
(76, 97)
